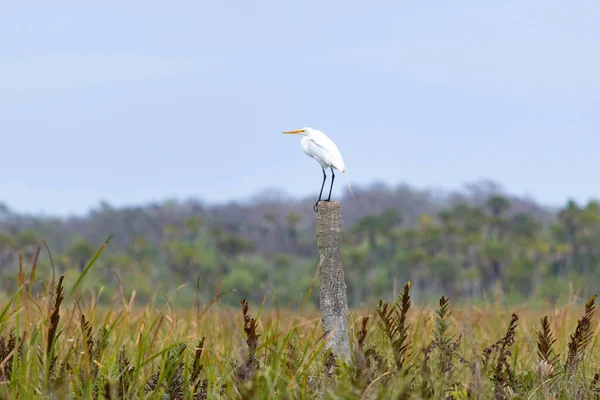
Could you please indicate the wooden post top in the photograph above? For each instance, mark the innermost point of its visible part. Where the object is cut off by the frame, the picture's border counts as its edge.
(329, 226)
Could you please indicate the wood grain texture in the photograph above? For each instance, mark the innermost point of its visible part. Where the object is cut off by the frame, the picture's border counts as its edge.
(333, 301)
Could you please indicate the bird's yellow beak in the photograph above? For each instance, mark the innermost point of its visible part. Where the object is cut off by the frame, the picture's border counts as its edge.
(293, 132)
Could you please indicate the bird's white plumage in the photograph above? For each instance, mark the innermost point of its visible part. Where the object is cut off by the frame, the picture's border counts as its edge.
(320, 147)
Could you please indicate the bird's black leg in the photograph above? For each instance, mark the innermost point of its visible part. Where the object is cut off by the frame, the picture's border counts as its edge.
(331, 187)
(321, 192)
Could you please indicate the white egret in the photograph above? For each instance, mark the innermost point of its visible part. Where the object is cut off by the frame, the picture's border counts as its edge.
(320, 147)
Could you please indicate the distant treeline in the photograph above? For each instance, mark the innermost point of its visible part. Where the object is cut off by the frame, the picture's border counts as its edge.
(469, 244)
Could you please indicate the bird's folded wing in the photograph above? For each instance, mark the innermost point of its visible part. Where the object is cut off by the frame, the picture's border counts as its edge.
(316, 143)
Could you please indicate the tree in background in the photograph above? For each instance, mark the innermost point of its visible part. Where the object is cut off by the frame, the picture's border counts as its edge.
(461, 246)
(8, 246)
(80, 253)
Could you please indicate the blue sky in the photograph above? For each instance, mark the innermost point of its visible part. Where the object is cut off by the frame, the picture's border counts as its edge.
(131, 102)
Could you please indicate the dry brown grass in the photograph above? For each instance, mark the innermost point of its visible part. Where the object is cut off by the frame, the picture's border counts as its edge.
(62, 344)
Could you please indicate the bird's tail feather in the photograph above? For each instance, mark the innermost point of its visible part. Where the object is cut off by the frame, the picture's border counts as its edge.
(348, 182)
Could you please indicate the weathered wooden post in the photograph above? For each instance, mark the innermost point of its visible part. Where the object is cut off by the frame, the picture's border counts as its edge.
(333, 304)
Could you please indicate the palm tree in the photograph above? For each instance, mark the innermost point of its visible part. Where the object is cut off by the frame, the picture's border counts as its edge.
(293, 220)
(269, 222)
(498, 205)
(450, 230)
(389, 228)
(357, 261)
(8, 246)
(366, 229)
(531, 252)
(80, 252)
(569, 217)
(588, 221)
(369, 228)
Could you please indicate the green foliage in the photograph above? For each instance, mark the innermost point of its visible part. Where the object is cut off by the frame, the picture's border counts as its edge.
(468, 249)
(545, 344)
(74, 348)
(393, 322)
(495, 360)
(581, 338)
